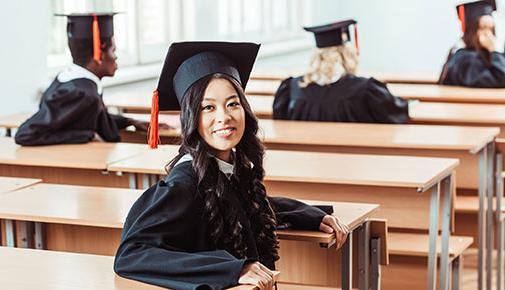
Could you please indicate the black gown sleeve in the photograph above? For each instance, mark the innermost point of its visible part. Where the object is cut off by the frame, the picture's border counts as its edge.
(298, 215)
(156, 244)
(384, 107)
(49, 125)
(121, 122)
(469, 69)
(281, 101)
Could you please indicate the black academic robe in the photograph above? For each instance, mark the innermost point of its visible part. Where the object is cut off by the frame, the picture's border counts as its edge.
(70, 113)
(350, 99)
(165, 239)
(468, 68)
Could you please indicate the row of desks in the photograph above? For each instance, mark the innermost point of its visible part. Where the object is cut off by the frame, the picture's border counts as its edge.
(422, 92)
(389, 180)
(89, 220)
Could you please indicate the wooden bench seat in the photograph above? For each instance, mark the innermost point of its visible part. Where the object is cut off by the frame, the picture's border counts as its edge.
(408, 253)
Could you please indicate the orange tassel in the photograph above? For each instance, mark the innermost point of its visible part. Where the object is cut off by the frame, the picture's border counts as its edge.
(356, 43)
(153, 134)
(461, 14)
(97, 53)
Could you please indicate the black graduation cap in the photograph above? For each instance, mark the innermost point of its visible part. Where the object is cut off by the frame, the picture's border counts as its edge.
(188, 62)
(334, 34)
(90, 26)
(472, 10)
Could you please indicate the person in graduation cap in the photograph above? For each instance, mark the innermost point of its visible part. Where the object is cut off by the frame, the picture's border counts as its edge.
(475, 62)
(210, 223)
(71, 109)
(330, 90)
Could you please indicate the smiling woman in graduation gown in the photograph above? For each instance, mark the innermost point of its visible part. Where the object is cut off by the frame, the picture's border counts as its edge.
(165, 238)
(210, 221)
(476, 63)
(71, 109)
(331, 92)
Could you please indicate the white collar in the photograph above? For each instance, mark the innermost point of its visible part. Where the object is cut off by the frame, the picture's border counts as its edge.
(78, 72)
(224, 166)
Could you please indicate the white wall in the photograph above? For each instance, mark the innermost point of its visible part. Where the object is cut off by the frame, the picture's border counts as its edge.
(22, 53)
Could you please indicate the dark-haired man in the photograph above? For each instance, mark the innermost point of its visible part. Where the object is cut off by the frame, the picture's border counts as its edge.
(71, 109)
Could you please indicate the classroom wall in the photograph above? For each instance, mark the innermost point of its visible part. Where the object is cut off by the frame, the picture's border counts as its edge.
(22, 53)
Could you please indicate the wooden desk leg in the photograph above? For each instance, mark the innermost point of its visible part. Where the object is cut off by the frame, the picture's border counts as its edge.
(25, 234)
(346, 267)
(499, 222)
(40, 239)
(433, 234)
(8, 132)
(500, 265)
(363, 255)
(482, 217)
(489, 217)
(456, 266)
(145, 181)
(9, 233)
(446, 233)
(375, 266)
(132, 180)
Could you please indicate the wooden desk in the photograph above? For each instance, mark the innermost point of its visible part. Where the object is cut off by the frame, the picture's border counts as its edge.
(391, 181)
(90, 219)
(459, 114)
(84, 164)
(13, 121)
(27, 269)
(448, 94)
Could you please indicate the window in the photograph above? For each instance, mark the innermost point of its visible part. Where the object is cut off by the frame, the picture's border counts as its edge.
(260, 20)
(145, 28)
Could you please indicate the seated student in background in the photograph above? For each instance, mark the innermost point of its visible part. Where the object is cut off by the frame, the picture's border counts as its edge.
(475, 62)
(71, 109)
(210, 224)
(330, 90)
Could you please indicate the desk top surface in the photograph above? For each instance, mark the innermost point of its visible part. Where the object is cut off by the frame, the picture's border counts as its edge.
(93, 155)
(332, 168)
(108, 207)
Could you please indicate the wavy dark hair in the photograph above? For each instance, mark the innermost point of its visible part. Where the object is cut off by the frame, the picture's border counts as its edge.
(471, 38)
(248, 177)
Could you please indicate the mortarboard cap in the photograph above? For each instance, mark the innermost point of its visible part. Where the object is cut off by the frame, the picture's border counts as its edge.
(90, 26)
(188, 62)
(334, 34)
(467, 12)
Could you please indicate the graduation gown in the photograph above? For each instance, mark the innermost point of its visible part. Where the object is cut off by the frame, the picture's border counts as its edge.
(350, 99)
(165, 239)
(467, 68)
(69, 113)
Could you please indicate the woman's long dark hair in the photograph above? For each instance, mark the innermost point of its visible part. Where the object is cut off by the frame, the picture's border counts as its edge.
(248, 172)
(471, 38)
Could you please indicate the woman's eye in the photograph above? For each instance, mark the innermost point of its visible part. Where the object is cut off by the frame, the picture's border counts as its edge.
(207, 108)
(234, 104)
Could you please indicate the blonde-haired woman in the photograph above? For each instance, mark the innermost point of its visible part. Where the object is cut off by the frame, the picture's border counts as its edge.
(330, 90)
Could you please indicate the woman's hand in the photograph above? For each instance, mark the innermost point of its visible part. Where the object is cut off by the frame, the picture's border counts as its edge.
(331, 224)
(488, 41)
(258, 275)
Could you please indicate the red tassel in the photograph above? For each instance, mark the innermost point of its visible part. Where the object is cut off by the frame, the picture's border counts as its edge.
(153, 134)
(97, 53)
(356, 38)
(461, 14)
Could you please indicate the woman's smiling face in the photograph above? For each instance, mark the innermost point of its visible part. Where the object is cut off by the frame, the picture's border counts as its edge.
(222, 118)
